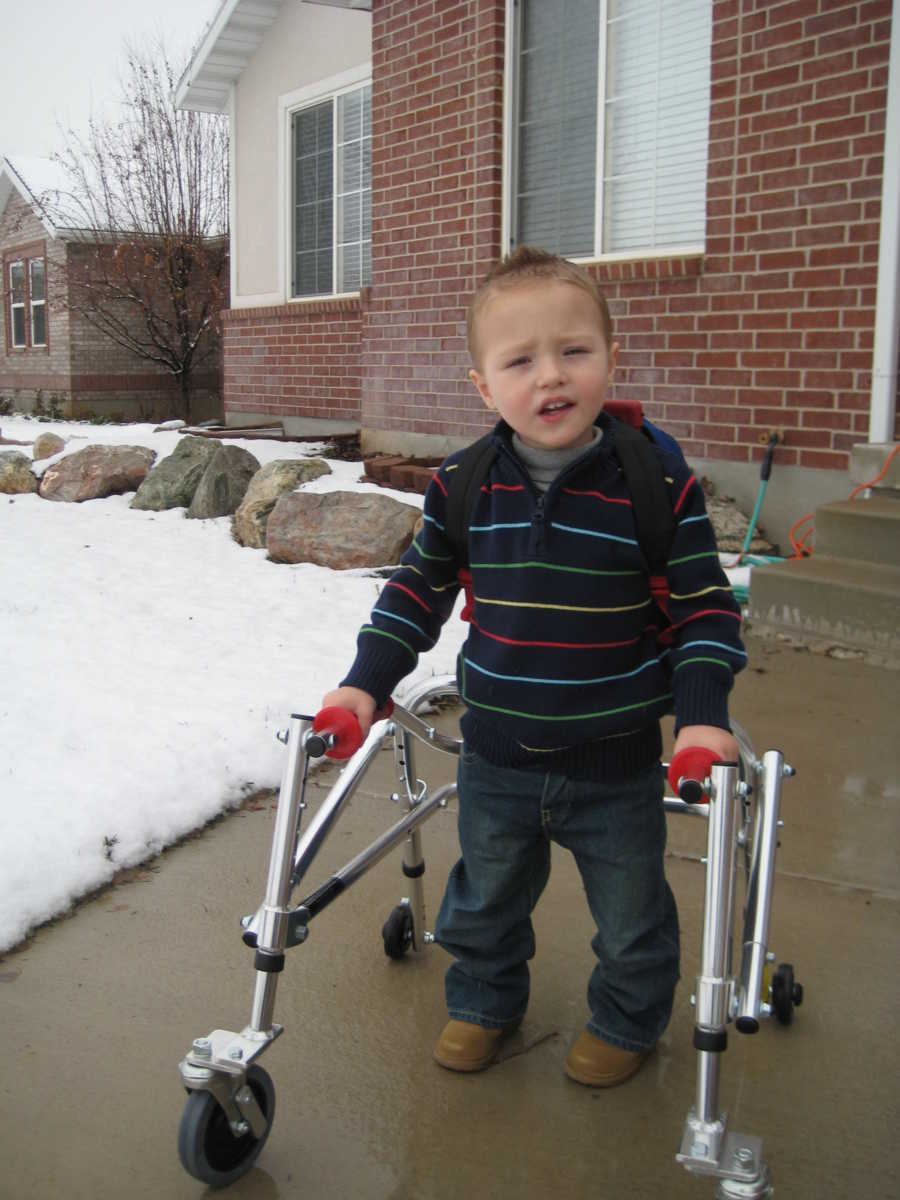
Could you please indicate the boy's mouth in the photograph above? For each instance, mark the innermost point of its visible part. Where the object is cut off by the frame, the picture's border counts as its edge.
(554, 407)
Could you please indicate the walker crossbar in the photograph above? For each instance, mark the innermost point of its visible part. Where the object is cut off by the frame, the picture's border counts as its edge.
(231, 1099)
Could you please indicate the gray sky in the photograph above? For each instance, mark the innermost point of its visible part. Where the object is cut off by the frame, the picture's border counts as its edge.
(62, 58)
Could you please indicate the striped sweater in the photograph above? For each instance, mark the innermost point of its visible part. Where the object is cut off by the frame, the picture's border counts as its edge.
(568, 664)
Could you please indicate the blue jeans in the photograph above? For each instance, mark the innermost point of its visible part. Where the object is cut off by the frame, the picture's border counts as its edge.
(617, 833)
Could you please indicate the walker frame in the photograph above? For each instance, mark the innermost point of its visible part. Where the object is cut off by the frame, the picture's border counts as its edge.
(231, 1100)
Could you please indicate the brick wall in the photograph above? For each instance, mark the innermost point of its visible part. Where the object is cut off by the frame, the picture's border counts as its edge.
(81, 368)
(771, 329)
(294, 360)
(44, 371)
(437, 132)
(110, 380)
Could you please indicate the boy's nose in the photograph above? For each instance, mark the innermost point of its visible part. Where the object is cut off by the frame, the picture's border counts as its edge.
(550, 371)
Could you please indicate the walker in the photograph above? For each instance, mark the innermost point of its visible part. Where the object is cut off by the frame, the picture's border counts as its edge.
(231, 1099)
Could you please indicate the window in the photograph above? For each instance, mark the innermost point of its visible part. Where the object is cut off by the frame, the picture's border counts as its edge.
(17, 302)
(38, 302)
(26, 279)
(609, 125)
(331, 194)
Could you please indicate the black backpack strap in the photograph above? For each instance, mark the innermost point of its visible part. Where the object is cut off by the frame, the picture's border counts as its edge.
(463, 485)
(650, 501)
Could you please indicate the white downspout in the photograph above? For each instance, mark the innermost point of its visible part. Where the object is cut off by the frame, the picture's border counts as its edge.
(882, 410)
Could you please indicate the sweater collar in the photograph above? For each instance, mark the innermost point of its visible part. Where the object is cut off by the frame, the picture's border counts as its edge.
(502, 435)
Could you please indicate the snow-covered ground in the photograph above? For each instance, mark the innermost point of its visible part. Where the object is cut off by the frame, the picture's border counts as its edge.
(147, 662)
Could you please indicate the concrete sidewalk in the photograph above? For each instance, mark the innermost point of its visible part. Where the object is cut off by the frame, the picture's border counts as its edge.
(97, 1009)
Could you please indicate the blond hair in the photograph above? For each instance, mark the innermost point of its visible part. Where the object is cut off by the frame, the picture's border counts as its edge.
(525, 264)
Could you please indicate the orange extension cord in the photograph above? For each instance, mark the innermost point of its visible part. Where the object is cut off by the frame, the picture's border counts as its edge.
(800, 542)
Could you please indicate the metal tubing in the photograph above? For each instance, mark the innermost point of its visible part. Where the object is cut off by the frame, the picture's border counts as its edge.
(279, 880)
(759, 891)
(707, 1095)
(712, 983)
(272, 932)
(394, 836)
(263, 1007)
(334, 803)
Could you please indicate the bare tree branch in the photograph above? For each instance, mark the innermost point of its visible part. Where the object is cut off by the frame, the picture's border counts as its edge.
(147, 194)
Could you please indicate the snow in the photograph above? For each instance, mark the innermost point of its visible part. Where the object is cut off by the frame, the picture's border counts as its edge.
(147, 663)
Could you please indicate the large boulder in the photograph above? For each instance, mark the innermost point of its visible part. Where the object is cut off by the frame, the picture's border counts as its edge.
(174, 480)
(46, 445)
(97, 471)
(275, 478)
(224, 483)
(16, 477)
(340, 529)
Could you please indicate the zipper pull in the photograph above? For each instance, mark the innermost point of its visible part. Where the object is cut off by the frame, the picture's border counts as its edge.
(538, 527)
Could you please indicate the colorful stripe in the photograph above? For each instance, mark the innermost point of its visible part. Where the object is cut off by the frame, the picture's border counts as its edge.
(650, 662)
(393, 637)
(508, 641)
(594, 533)
(391, 583)
(545, 566)
(563, 607)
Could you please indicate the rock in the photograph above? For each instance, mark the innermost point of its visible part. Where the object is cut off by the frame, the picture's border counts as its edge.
(97, 471)
(276, 478)
(46, 445)
(340, 529)
(173, 481)
(224, 483)
(16, 477)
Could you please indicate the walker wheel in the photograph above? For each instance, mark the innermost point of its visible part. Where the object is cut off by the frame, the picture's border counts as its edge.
(786, 994)
(397, 932)
(208, 1148)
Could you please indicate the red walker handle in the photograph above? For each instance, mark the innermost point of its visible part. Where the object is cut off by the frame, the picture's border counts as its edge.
(340, 724)
(688, 769)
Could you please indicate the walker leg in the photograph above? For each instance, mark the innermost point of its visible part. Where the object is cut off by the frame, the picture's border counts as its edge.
(707, 1148)
(413, 860)
(231, 1099)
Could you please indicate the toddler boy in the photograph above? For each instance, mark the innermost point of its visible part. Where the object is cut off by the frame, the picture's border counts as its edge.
(567, 668)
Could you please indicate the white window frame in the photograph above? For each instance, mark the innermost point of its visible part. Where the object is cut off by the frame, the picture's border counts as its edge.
(288, 104)
(509, 152)
(42, 303)
(18, 304)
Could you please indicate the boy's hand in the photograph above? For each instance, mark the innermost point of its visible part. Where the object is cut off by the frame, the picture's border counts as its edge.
(360, 703)
(720, 741)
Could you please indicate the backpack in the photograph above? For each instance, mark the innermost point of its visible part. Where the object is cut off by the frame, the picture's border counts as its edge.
(652, 508)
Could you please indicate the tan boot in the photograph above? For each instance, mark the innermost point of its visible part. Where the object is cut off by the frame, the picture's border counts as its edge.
(466, 1047)
(597, 1064)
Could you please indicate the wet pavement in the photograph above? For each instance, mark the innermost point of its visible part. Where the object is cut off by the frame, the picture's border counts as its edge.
(97, 1009)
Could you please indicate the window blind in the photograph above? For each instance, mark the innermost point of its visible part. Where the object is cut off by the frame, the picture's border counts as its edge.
(313, 142)
(650, 152)
(657, 123)
(557, 125)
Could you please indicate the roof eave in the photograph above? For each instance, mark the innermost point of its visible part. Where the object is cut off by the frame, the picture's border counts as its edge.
(13, 180)
(231, 39)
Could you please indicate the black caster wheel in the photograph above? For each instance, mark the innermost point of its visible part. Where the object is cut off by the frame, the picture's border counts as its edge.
(786, 994)
(397, 932)
(208, 1148)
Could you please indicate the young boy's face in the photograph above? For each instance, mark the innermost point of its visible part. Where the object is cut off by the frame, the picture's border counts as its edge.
(543, 361)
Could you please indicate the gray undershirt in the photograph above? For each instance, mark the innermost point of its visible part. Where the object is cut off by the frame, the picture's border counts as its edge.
(544, 465)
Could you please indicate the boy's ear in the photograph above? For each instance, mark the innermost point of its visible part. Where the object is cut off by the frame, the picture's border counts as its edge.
(481, 385)
(611, 357)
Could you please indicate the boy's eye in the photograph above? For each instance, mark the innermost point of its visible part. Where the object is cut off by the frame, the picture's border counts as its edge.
(576, 350)
(518, 362)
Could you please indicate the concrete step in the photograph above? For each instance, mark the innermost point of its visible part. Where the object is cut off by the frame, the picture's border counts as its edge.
(867, 530)
(843, 600)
